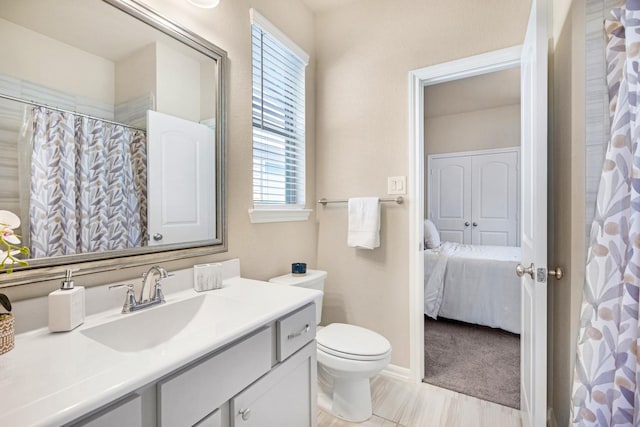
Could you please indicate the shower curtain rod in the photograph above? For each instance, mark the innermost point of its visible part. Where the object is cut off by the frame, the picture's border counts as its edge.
(62, 110)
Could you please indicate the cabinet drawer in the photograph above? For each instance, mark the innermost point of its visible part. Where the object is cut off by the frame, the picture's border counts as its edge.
(126, 413)
(295, 330)
(187, 397)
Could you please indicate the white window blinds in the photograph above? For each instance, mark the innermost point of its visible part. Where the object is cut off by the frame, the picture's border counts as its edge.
(278, 117)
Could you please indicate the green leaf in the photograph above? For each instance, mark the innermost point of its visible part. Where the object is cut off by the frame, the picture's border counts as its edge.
(4, 300)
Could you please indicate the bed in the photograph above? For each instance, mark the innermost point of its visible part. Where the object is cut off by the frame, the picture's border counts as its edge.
(473, 284)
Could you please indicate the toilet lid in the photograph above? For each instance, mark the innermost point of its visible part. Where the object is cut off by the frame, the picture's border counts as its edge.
(352, 342)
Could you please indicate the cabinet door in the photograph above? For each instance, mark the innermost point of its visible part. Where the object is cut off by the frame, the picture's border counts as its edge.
(285, 397)
(495, 202)
(450, 197)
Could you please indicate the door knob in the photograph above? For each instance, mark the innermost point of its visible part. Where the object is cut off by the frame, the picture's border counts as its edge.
(157, 237)
(521, 270)
(475, 224)
(467, 223)
(557, 273)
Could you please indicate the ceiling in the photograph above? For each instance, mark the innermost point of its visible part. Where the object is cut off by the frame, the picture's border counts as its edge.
(318, 6)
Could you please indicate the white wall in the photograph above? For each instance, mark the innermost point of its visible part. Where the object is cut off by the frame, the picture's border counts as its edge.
(473, 130)
(173, 78)
(43, 60)
(136, 75)
(208, 90)
(365, 52)
(178, 84)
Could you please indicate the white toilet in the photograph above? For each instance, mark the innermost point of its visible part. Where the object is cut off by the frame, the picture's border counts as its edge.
(348, 356)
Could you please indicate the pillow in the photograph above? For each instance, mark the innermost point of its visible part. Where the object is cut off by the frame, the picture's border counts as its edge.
(431, 235)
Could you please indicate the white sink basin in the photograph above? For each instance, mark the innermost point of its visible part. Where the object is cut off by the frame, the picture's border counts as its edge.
(148, 327)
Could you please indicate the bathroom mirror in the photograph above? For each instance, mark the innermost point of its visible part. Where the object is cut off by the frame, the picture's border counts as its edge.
(89, 78)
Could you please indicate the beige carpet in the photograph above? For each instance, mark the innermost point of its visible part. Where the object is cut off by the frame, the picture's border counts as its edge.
(475, 360)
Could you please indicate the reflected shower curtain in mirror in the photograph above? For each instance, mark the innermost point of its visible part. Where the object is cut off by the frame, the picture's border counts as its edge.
(606, 377)
(88, 185)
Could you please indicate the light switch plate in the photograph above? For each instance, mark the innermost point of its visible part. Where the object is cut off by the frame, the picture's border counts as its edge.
(397, 185)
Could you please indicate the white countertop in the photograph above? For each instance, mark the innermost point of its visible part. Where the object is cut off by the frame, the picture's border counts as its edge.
(54, 378)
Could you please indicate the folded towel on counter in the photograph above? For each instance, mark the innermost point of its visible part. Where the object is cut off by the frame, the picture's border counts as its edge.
(364, 223)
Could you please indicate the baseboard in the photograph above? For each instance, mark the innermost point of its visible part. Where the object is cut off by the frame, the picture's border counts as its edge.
(551, 418)
(398, 372)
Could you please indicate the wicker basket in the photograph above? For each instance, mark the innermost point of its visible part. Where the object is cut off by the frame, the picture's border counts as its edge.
(6, 332)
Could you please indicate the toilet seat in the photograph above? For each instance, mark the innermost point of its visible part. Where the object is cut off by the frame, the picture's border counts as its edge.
(352, 342)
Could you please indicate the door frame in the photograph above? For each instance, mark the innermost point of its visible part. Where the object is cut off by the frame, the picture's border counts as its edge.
(458, 69)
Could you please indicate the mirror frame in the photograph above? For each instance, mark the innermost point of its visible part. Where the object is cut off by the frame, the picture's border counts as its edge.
(44, 269)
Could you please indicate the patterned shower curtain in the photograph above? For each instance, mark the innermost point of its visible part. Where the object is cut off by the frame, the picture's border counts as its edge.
(88, 185)
(606, 378)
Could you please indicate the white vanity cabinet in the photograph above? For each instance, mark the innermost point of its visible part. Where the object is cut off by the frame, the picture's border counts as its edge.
(265, 378)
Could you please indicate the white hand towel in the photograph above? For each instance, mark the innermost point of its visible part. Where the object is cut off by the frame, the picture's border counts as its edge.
(364, 223)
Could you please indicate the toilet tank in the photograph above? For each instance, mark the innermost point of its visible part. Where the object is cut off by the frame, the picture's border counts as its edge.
(314, 279)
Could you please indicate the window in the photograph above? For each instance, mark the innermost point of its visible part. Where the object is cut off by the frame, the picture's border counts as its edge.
(278, 119)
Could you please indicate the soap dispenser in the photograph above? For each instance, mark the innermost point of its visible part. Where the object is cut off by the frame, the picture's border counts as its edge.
(66, 306)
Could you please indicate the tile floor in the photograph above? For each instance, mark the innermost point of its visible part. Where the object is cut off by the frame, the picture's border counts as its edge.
(400, 404)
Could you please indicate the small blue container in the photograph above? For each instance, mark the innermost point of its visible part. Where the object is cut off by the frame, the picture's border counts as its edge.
(298, 268)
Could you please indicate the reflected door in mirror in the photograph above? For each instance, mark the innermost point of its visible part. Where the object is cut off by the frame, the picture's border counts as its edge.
(181, 192)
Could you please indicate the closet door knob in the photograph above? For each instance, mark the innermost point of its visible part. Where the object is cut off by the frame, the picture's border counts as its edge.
(467, 223)
(475, 224)
(157, 237)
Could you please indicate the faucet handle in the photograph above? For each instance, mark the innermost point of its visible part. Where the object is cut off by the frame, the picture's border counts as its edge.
(157, 292)
(130, 298)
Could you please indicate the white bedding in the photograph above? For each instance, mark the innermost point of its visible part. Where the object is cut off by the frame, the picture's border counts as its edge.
(474, 284)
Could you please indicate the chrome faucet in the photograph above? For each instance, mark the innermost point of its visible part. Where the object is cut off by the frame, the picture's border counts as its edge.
(157, 297)
(157, 289)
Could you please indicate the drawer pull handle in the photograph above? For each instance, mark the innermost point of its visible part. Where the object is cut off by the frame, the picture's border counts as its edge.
(245, 413)
(300, 332)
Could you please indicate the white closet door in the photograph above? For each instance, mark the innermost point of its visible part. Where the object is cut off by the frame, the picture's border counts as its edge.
(181, 180)
(494, 205)
(450, 197)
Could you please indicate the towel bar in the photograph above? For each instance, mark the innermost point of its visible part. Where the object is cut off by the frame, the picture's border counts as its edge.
(399, 200)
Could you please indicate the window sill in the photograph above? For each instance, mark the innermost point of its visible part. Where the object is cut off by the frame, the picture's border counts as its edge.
(259, 216)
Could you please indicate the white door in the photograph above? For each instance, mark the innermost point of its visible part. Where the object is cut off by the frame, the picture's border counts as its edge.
(450, 197)
(181, 180)
(494, 205)
(534, 219)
